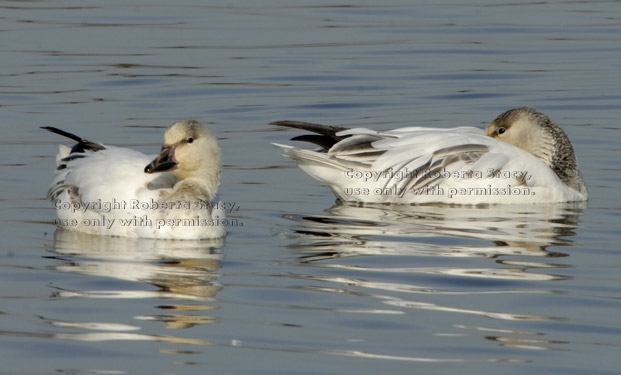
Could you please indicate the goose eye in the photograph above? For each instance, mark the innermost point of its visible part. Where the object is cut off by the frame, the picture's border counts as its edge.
(501, 130)
(190, 140)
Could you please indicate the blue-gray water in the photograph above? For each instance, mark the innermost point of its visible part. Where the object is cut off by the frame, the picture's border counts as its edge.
(304, 286)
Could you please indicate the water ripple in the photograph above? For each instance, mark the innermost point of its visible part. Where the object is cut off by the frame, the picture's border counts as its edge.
(388, 253)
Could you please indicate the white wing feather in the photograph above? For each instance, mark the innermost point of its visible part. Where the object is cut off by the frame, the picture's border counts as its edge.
(424, 165)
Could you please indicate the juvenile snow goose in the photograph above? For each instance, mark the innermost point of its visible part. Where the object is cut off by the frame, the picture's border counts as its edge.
(116, 191)
(522, 157)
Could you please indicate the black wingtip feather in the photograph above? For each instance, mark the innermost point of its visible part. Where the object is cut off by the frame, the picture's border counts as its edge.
(328, 130)
(319, 140)
(326, 137)
(83, 144)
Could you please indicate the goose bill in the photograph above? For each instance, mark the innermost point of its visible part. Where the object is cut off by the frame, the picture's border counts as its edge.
(164, 161)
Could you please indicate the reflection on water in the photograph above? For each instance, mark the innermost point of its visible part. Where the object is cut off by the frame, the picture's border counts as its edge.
(437, 230)
(402, 239)
(183, 272)
(367, 289)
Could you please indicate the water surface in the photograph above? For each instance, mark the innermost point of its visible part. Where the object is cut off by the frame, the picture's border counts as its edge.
(304, 285)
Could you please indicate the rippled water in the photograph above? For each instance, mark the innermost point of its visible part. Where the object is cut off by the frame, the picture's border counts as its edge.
(305, 286)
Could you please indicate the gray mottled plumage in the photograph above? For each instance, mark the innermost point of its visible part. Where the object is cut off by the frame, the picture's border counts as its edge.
(552, 145)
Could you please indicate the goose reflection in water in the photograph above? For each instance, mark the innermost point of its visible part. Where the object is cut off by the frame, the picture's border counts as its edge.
(437, 230)
(183, 272)
(439, 258)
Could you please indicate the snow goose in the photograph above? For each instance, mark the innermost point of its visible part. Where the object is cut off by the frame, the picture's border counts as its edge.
(117, 191)
(522, 157)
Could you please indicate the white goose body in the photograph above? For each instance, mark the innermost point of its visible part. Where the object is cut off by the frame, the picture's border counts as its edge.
(107, 190)
(530, 161)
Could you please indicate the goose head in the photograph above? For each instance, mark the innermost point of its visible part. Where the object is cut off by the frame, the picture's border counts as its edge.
(536, 133)
(190, 151)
